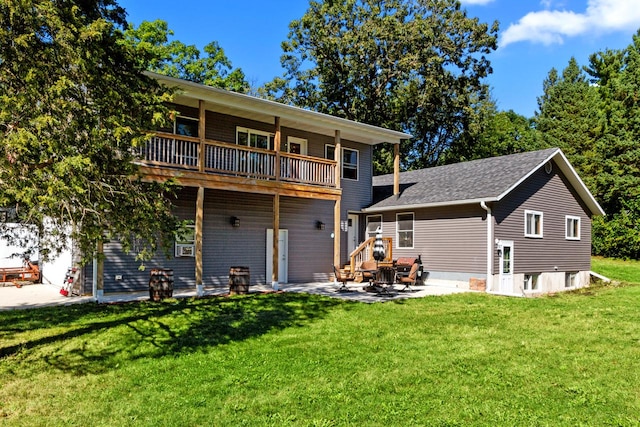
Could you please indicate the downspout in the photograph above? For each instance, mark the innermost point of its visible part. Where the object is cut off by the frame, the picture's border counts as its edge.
(484, 206)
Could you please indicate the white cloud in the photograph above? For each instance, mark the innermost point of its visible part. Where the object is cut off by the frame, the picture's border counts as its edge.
(553, 26)
(475, 2)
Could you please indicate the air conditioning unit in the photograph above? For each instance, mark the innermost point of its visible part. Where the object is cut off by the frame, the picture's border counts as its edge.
(185, 250)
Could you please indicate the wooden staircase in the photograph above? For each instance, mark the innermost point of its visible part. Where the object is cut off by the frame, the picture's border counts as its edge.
(364, 252)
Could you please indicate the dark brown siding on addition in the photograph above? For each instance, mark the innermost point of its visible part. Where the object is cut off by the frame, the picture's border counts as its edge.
(552, 195)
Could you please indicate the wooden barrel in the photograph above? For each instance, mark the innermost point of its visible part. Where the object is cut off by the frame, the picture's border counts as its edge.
(239, 279)
(160, 284)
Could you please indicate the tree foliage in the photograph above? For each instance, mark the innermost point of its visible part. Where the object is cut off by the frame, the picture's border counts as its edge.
(595, 119)
(176, 59)
(409, 65)
(73, 106)
(568, 116)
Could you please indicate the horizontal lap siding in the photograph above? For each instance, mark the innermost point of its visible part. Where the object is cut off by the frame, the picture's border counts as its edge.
(356, 194)
(449, 239)
(551, 195)
(310, 249)
(125, 265)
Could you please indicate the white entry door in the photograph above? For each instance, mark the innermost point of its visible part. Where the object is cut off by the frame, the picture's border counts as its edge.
(506, 267)
(352, 233)
(283, 252)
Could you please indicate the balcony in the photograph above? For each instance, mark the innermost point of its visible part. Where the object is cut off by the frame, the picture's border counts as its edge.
(223, 159)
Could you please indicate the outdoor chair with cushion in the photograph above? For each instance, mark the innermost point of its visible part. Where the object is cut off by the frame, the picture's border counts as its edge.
(368, 270)
(342, 276)
(410, 279)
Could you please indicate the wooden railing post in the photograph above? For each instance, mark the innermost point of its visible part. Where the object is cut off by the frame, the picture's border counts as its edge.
(276, 143)
(201, 134)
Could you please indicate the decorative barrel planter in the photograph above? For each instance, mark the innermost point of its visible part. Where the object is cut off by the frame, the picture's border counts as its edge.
(160, 284)
(239, 279)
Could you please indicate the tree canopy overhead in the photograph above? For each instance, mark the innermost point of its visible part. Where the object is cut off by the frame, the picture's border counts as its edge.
(410, 65)
(73, 106)
(176, 59)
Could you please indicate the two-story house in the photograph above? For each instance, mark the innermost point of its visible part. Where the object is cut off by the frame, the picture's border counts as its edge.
(268, 186)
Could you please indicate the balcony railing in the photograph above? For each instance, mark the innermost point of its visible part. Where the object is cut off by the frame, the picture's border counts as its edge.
(183, 152)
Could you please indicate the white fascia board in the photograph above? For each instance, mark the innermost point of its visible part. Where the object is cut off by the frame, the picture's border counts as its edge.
(571, 174)
(265, 106)
(429, 205)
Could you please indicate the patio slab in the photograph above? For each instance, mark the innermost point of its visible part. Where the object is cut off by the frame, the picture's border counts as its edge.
(44, 295)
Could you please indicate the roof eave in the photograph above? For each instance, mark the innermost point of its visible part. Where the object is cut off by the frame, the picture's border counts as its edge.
(368, 133)
(373, 209)
(570, 173)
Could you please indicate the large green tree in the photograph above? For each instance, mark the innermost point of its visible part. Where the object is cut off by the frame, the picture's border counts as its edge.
(617, 177)
(74, 104)
(176, 59)
(568, 117)
(410, 65)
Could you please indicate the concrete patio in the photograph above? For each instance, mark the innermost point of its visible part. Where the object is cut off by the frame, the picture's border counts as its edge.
(44, 295)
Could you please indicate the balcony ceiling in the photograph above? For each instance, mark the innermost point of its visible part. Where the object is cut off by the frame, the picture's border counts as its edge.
(262, 110)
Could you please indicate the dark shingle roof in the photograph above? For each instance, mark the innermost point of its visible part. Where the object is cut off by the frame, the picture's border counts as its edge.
(483, 179)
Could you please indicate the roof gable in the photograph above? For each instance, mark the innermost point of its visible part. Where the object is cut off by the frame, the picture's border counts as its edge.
(487, 180)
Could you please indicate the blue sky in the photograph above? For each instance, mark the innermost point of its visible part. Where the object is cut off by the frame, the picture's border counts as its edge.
(535, 35)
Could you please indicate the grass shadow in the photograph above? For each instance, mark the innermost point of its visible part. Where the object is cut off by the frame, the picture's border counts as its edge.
(93, 338)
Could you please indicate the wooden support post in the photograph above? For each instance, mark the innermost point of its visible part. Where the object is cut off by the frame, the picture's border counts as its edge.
(276, 241)
(198, 236)
(338, 205)
(396, 169)
(201, 134)
(277, 142)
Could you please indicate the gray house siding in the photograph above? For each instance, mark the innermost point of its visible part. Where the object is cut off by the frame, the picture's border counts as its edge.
(450, 240)
(310, 251)
(552, 195)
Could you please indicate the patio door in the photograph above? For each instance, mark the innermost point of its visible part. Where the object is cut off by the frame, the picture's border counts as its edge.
(283, 252)
(352, 233)
(506, 266)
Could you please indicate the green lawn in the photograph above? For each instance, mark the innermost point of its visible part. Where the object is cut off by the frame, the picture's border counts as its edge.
(615, 269)
(295, 359)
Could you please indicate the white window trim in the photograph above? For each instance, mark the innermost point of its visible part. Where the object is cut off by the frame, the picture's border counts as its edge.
(413, 230)
(536, 213)
(567, 229)
(250, 131)
(175, 125)
(570, 279)
(186, 247)
(304, 144)
(367, 224)
(533, 284)
(341, 157)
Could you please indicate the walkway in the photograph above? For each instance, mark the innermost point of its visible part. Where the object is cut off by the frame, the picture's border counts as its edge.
(32, 296)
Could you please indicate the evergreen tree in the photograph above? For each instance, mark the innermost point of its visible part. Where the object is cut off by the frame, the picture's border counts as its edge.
(74, 107)
(568, 117)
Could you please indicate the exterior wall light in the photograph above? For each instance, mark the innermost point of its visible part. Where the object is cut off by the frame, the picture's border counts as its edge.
(235, 221)
(320, 225)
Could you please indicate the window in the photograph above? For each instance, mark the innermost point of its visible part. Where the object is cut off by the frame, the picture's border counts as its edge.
(254, 138)
(373, 222)
(186, 241)
(531, 282)
(570, 279)
(186, 126)
(404, 226)
(572, 227)
(349, 161)
(296, 145)
(533, 224)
